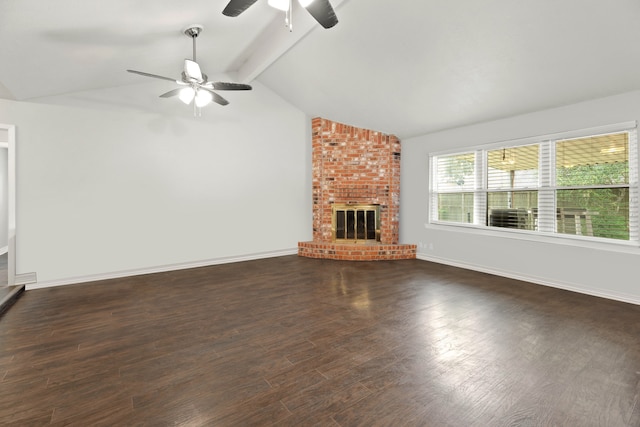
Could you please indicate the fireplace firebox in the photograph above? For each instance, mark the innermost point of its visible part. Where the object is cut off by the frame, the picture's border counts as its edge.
(355, 223)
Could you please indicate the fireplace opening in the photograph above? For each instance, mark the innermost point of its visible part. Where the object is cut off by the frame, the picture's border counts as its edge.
(356, 223)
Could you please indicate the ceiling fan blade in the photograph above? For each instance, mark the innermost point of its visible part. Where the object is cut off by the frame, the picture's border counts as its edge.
(236, 7)
(155, 76)
(322, 12)
(192, 71)
(230, 86)
(171, 93)
(216, 98)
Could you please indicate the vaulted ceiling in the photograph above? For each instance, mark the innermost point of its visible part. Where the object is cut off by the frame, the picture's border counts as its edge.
(406, 67)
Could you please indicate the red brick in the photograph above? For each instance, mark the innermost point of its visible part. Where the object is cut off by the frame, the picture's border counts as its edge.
(353, 165)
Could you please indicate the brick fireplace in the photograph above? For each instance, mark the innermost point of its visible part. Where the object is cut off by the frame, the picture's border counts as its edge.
(355, 171)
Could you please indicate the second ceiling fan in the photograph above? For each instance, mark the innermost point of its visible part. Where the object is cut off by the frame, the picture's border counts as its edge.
(321, 10)
(194, 85)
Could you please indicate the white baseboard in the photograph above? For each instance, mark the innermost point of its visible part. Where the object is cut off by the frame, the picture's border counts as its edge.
(159, 269)
(26, 278)
(29, 278)
(632, 299)
(4, 250)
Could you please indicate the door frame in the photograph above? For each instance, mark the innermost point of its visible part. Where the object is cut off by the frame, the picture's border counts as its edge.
(10, 145)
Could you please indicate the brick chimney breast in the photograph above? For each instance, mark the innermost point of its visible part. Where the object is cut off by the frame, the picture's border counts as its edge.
(354, 166)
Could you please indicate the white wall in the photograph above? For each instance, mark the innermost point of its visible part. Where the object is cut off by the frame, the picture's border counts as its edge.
(604, 270)
(105, 191)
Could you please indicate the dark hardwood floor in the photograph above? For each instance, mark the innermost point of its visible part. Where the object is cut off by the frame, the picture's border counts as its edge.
(296, 341)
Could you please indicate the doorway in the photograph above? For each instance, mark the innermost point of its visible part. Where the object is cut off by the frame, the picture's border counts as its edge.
(7, 205)
(4, 214)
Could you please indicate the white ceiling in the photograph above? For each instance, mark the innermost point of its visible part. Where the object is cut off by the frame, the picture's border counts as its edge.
(404, 66)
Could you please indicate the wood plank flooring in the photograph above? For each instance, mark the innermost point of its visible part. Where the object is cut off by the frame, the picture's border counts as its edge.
(295, 341)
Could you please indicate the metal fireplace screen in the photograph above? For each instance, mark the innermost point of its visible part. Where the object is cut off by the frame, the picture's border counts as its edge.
(356, 223)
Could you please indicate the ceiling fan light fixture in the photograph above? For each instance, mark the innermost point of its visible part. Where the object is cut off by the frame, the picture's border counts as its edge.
(192, 70)
(279, 4)
(320, 10)
(187, 94)
(203, 98)
(196, 87)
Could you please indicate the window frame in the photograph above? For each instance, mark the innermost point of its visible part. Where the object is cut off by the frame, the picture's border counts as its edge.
(547, 189)
(436, 212)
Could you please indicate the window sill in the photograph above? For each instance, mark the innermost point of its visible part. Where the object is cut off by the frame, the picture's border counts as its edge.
(536, 236)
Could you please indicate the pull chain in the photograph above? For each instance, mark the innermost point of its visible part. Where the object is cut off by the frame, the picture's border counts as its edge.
(288, 17)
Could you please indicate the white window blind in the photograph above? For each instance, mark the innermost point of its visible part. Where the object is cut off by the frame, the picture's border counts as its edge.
(453, 187)
(592, 186)
(480, 196)
(512, 186)
(546, 220)
(581, 186)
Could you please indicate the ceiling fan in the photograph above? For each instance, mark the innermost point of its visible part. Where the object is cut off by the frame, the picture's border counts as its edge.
(196, 86)
(321, 10)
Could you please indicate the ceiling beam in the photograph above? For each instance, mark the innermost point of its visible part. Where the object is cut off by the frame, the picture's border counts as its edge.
(276, 40)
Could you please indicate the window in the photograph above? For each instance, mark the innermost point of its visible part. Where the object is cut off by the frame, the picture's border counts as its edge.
(512, 186)
(454, 186)
(592, 177)
(570, 185)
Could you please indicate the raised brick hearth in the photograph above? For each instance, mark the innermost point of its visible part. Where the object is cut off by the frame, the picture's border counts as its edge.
(355, 166)
(356, 252)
